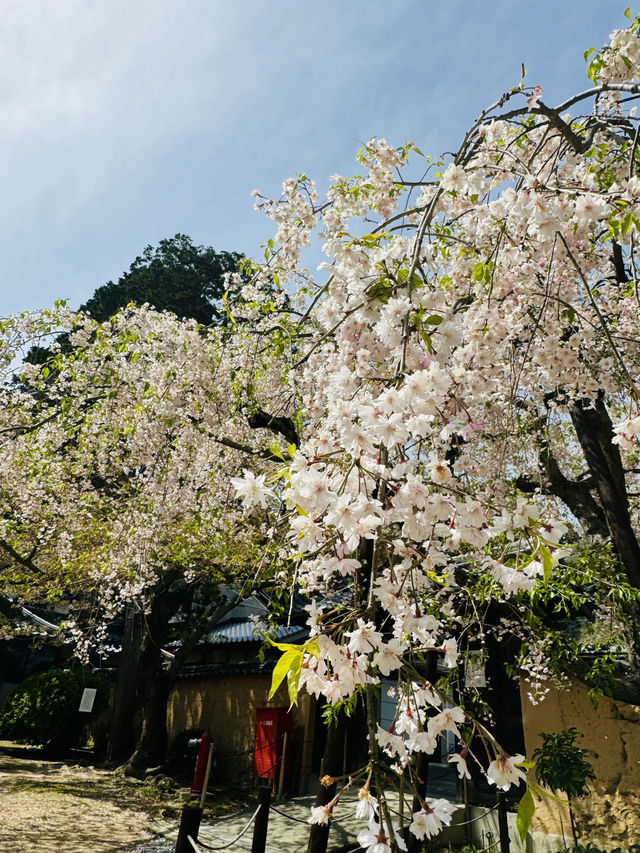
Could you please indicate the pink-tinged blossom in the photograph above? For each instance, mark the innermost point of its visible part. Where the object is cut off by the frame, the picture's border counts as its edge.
(450, 649)
(375, 839)
(429, 820)
(322, 814)
(438, 470)
(460, 762)
(446, 720)
(455, 178)
(422, 741)
(504, 773)
(554, 531)
(511, 579)
(534, 97)
(315, 615)
(364, 638)
(367, 806)
(387, 658)
(626, 431)
(251, 489)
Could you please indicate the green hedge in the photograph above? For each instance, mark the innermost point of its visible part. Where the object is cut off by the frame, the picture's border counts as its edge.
(43, 709)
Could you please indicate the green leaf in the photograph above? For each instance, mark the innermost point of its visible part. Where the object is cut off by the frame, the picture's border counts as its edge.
(547, 562)
(434, 320)
(293, 679)
(427, 340)
(274, 447)
(291, 449)
(594, 68)
(588, 53)
(282, 668)
(289, 666)
(526, 809)
(627, 13)
(371, 240)
(382, 290)
(482, 273)
(310, 646)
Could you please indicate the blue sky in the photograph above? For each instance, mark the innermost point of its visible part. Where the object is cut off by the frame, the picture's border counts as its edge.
(125, 121)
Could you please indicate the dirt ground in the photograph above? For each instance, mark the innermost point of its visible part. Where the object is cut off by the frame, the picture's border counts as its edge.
(51, 807)
(61, 806)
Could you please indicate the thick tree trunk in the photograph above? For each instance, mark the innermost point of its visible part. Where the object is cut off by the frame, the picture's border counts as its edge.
(145, 682)
(138, 718)
(153, 683)
(122, 737)
(595, 433)
(153, 691)
(576, 495)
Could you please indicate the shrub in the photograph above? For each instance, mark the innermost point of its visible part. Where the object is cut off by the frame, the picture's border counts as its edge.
(562, 765)
(44, 708)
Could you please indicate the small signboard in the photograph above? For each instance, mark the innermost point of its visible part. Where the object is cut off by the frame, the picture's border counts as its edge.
(88, 698)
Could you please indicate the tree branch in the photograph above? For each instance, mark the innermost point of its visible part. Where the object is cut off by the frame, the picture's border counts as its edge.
(595, 434)
(26, 562)
(263, 420)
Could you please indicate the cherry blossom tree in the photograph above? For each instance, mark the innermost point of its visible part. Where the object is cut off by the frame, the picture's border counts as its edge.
(458, 400)
(117, 456)
(469, 387)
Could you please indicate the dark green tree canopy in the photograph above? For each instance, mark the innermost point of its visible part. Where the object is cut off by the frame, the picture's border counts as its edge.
(175, 276)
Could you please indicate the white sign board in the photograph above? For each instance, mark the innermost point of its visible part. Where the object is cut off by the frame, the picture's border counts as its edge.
(88, 698)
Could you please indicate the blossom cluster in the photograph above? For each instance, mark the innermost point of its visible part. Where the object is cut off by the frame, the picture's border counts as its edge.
(444, 342)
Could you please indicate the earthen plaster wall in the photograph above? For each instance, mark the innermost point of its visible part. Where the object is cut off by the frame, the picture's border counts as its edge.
(226, 707)
(610, 816)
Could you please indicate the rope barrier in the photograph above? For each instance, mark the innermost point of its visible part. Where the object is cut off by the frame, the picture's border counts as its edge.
(201, 844)
(229, 843)
(479, 817)
(408, 813)
(289, 816)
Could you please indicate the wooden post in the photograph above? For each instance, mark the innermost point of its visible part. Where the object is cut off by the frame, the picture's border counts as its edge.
(283, 758)
(503, 825)
(205, 783)
(261, 825)
(189, 825)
